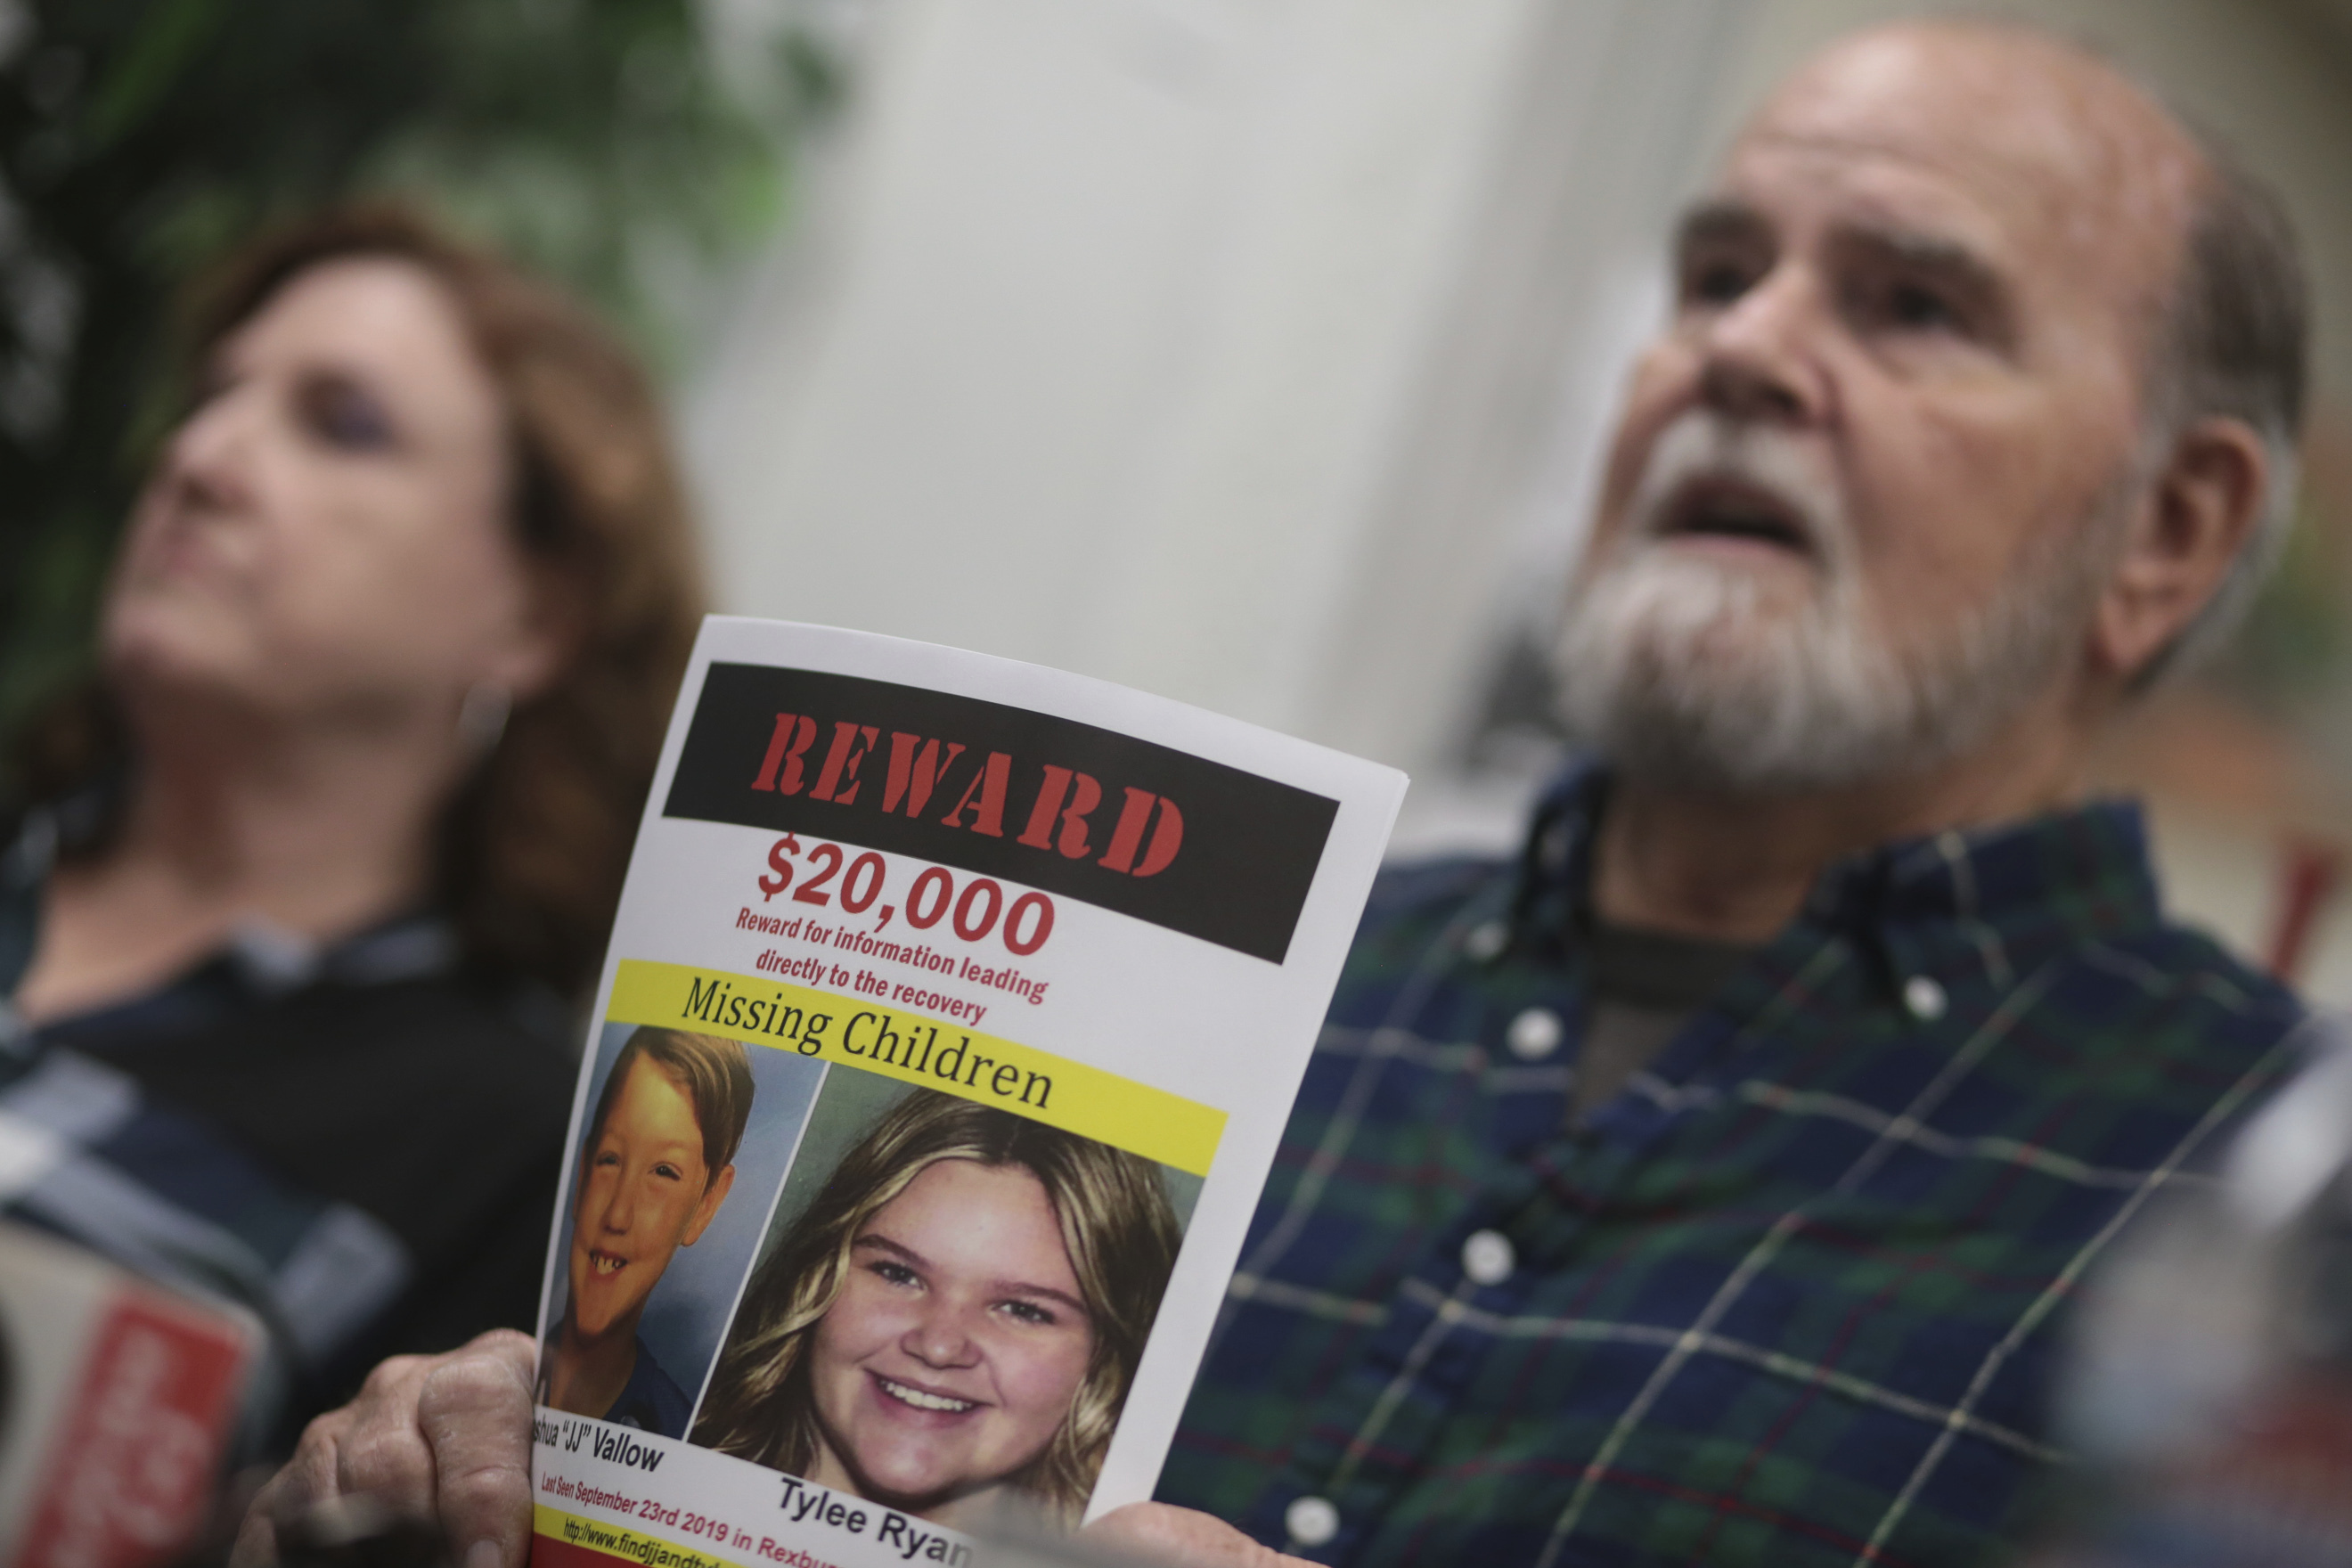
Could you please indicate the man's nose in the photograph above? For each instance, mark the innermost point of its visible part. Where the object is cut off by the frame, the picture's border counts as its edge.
(1759, 355)
(941, 1335)
(621, 1207)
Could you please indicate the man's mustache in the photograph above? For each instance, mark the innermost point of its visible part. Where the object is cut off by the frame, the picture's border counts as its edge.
(1706, 474)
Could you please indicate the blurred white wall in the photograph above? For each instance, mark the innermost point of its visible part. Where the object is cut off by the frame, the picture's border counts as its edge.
(1205, 345)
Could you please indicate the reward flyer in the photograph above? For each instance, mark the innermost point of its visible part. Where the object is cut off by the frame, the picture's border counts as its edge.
(952, 1013)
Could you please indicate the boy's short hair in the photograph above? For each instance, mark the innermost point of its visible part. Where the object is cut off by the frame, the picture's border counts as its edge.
(712, 1070)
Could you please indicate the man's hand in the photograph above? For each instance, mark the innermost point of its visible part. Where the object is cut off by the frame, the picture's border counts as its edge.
(1180, 1538)
(441, 1440)
(445, 1440)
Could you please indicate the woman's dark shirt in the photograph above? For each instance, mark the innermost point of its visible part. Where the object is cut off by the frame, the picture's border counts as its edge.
(358, 1142)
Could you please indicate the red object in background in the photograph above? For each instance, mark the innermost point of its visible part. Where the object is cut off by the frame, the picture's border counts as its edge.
(2312, 872)
(130, 1477)
(2273, 1488)
(2292, 1461)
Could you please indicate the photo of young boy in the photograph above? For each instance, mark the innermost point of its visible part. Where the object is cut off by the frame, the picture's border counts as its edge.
(661, 1155)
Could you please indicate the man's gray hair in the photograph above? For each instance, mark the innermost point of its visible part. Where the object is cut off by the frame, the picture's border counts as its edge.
(2234, 341)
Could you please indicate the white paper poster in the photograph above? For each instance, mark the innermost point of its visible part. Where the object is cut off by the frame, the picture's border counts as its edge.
(953, 1014)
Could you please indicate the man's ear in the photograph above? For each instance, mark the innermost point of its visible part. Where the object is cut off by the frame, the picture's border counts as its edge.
(704, 1212)
(2201, 511)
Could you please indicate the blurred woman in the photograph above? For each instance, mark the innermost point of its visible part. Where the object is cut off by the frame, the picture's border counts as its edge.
(303, 881)
(958, 1316)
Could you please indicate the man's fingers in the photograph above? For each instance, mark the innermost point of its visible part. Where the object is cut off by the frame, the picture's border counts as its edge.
(312, 1473)
(1183, 1538)
(439, 1439)
(514, 1347)
(257, 1538)
(376, 1449)
(473, 1410)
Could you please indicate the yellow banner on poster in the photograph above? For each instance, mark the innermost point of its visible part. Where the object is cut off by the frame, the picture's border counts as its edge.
(862, 1033)
(619, 1540)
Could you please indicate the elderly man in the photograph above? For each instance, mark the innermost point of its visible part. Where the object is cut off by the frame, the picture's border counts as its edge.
(1705, 1186)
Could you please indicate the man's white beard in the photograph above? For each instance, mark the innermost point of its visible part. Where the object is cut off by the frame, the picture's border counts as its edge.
(1686, 670)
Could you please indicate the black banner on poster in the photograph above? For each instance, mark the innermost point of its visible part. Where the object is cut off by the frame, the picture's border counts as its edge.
(1185, 843)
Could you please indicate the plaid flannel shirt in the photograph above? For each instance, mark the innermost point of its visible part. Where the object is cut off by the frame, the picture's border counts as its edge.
(1791, 1296)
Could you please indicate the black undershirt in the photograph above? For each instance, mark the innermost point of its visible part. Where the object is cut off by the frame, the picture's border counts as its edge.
(422, 1102)
(1645, 986)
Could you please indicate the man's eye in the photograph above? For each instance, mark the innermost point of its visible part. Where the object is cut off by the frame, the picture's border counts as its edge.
(1715, 282)
(670, 1173)
(1918, 309)
(605, 1160)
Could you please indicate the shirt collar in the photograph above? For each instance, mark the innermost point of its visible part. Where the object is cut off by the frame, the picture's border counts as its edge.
(272, 962)
(258, 960)
(2081, 873)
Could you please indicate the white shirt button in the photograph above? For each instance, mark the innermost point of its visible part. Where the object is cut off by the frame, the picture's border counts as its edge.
(1533, 1035)
(1924, 998)
(1485, 942)
(1488, 1258)
(1311, 1521)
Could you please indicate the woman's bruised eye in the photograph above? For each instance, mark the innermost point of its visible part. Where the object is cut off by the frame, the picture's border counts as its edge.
(341, 414)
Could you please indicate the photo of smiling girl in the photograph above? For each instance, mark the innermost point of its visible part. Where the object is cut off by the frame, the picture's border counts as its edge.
(956, 1319)
(657, 1160)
